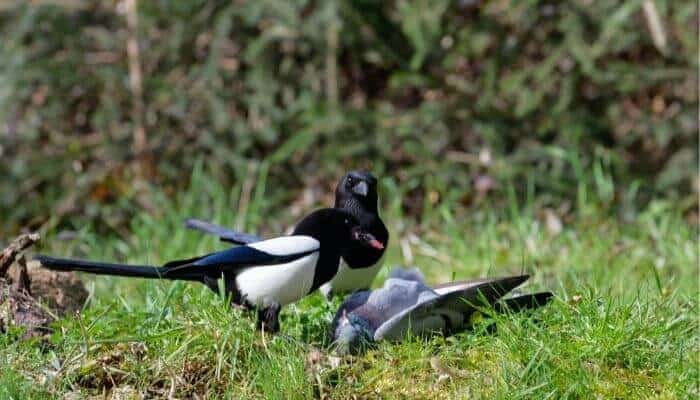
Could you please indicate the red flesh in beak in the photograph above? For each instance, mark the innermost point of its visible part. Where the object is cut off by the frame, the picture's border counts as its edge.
(376, 244)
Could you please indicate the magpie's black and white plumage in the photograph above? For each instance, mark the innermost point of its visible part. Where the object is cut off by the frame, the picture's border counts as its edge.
(264, 275)
(357, 194)
(405, 304)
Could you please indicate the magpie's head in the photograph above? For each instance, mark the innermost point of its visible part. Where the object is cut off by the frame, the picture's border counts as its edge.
(335, 228)
(352, 334)
(357, 187)
(364, 238)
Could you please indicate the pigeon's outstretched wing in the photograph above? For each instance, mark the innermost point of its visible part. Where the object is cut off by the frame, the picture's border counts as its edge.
(450, 287)
(224, 234)
(523, 302)
(515, 303)
(449, 310)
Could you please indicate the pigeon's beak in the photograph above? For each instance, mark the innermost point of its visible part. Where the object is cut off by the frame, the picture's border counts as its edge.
(361, 188)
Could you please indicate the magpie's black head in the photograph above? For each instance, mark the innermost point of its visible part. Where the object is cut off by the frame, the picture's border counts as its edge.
(357, 188)
(335, 228)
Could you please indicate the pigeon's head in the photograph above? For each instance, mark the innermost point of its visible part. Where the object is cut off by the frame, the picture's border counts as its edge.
(357, 188)
(352, 334)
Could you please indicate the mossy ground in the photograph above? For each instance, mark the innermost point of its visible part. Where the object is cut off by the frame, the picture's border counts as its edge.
(623, 324)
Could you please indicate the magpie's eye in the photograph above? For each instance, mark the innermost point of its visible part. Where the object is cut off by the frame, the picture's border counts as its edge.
(351, 180)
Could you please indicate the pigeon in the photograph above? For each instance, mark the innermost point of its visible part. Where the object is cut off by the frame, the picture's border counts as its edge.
(356, 193)
(264, 275)
(405, 304)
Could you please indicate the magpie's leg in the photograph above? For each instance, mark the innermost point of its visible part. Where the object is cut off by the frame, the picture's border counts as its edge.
(231, 293)
(327, 291)
(329, 294)
(268, 318)
(211, 283)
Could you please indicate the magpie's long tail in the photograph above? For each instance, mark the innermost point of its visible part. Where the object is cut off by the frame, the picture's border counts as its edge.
(100, 268)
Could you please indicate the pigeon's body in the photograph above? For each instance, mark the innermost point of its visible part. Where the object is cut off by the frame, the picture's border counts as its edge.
(405, 304)
(379, 306)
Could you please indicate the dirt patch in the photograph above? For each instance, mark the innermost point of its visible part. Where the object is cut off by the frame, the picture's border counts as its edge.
(30, 296)
(18, 308)
(63, 292)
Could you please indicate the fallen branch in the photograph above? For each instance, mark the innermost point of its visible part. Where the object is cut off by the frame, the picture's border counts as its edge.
(8, 256)
(23, 283)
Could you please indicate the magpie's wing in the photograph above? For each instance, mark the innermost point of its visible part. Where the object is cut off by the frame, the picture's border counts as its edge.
(269, 252)
(225, 234)
(447, 311)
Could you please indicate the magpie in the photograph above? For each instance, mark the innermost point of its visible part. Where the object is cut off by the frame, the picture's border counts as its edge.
(405, 304)
(264, 275)
(356, 193)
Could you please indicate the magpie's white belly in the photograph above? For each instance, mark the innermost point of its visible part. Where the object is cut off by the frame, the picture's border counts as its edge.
(348, 279)
(283, 283)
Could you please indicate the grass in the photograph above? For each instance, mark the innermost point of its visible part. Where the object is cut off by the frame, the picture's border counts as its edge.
(624, 323)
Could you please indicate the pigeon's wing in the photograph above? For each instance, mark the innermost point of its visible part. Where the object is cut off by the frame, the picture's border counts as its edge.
(379, 305)
(224, 234)
(269, 252)
(523, 302)
(514, 304)
(449, 287)
(447, 311)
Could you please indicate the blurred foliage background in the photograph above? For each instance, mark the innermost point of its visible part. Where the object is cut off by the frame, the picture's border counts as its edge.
(462, 102)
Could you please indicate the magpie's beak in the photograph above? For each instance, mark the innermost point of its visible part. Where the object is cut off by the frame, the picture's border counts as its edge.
(361, 188)
(376, 244)
(368, 239)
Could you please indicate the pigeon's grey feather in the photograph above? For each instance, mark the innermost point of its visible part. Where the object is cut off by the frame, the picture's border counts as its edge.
(412, 274)
(377, 306)
(446, 311)
(406, 304)
(445, 288)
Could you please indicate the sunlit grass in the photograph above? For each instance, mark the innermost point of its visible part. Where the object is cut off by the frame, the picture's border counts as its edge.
(624, 322)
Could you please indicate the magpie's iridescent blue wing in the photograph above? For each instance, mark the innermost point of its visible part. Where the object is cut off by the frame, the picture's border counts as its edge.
(269, 252)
